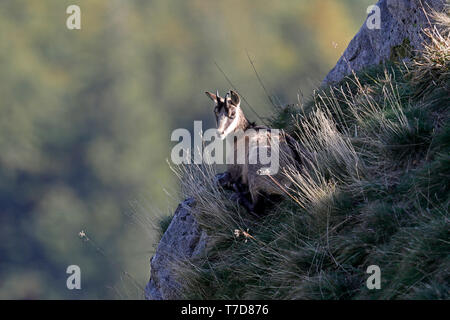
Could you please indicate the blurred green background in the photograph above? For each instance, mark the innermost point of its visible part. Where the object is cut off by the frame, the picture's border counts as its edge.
(86, 117)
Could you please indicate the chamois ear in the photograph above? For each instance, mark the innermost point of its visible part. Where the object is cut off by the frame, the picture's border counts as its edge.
(235, 99)
(212, 96)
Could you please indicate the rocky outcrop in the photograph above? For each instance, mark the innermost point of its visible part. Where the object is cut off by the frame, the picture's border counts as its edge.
(399, 35)
(182, 239)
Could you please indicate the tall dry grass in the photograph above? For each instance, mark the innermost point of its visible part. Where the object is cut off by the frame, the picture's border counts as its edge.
(372, 189)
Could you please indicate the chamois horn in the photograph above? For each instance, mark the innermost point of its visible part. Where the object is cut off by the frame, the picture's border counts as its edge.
(226, 99)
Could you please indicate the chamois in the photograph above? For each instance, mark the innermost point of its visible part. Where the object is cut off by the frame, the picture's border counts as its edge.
(230, 120)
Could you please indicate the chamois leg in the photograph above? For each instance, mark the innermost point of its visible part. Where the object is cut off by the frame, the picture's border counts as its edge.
(259, 205)
(255, 206)
(241, 194)
(240, 188)
(246, 203)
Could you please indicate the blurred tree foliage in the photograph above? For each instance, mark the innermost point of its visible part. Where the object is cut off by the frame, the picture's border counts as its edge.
(86, 117)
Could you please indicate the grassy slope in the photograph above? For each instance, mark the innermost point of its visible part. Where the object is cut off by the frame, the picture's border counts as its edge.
(374, 190)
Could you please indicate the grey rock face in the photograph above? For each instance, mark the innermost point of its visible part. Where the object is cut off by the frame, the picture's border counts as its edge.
(182, 239)
(400, 31)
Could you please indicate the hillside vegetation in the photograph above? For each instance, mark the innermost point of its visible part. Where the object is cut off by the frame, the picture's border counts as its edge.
(373, 190)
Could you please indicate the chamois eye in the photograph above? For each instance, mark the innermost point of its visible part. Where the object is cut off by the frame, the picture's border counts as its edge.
(232, 114)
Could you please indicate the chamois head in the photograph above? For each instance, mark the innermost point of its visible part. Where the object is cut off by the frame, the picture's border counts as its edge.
(228, 112)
